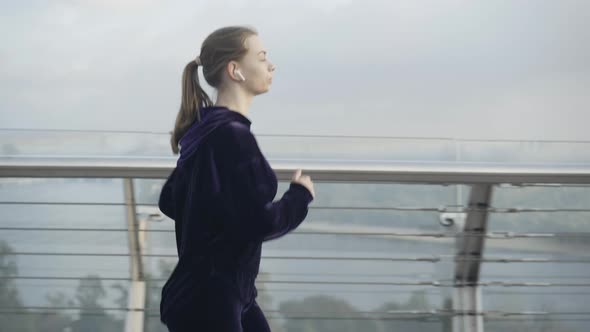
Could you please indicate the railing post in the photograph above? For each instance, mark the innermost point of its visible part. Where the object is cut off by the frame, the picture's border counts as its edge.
(470, 244)
(137, 289)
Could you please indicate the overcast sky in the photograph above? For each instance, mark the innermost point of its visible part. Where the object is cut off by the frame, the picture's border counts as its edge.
(464, 69)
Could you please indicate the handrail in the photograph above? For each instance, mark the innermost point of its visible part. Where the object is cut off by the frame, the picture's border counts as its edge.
(320, 170)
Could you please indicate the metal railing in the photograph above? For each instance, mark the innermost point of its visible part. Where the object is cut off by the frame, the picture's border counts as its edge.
(470, 231)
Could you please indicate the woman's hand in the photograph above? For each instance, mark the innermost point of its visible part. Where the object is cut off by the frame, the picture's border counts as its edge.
(305, 180)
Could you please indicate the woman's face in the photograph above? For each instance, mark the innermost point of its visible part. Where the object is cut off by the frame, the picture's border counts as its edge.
(256, 67)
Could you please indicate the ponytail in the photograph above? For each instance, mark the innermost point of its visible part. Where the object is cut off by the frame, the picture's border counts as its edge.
(193, 99)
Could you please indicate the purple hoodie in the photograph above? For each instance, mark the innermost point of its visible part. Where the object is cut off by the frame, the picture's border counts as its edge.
(220, 196)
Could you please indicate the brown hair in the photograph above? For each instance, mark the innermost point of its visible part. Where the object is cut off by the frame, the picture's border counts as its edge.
(219, 48)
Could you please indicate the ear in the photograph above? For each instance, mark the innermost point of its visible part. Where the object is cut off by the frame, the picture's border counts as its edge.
(230, 68)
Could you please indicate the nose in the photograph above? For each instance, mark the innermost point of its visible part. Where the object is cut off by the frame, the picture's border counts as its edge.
(273, 67)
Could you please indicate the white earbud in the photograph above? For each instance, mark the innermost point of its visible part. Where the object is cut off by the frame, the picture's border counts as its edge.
(239, 73)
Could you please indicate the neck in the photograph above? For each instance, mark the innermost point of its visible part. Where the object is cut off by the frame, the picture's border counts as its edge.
(234, 99)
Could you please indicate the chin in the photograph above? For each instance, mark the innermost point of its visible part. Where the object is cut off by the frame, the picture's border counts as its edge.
(259, 92)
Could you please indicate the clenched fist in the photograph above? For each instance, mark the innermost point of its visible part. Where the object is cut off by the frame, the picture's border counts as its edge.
(305, 180)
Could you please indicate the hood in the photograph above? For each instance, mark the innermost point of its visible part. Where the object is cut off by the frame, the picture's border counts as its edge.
(211, 118)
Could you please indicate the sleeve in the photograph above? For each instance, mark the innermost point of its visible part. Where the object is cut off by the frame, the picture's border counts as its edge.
(295, 189)
(251, 187)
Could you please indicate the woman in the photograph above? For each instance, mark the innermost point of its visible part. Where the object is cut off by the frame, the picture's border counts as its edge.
(220, 194)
